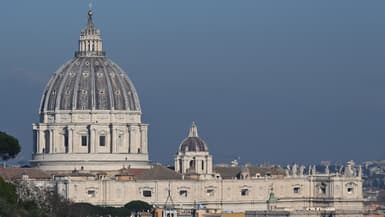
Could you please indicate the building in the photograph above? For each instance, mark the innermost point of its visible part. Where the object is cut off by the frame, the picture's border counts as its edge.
(91, 141)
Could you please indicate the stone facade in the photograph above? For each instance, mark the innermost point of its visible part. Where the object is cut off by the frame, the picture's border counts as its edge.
(308, 192)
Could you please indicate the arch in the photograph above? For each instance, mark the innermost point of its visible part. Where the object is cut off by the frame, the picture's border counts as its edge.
(180, 165)
(46, 141)
(192, 164)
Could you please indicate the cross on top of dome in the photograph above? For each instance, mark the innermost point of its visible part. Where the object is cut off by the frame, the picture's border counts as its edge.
(90, 12)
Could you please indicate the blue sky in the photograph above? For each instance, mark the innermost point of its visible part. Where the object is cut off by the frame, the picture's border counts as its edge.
(266, 81)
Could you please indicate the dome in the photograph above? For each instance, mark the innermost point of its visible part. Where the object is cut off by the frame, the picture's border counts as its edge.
(193, 143)
(90, 81)
(90, 115)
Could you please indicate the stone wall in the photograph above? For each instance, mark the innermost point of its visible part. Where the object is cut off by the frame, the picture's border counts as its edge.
(297, 193)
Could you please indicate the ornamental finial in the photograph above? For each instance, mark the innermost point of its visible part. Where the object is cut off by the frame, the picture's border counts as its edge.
(90, 13)
(193, 130)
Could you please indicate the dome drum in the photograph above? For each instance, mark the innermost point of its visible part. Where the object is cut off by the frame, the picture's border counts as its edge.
(91, 116)
(79, 161)
(86, 53)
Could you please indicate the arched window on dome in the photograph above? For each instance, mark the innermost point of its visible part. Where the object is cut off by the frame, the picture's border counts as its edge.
(192, 164)
(47, 141)
(180, 165)
(203, 165)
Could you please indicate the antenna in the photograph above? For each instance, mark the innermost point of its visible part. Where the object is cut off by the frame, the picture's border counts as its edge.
(169, 198)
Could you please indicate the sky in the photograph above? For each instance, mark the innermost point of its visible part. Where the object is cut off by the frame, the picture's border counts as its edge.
(265, 81)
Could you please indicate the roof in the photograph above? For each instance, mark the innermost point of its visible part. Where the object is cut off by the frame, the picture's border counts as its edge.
(75, 174)
(159, 173)
(131, 172)
(231, 172)
(228, 172)
(17, 173)
(265, 170)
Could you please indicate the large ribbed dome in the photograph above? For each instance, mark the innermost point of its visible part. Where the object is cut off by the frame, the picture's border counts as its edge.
(90, 116)
(90, 81)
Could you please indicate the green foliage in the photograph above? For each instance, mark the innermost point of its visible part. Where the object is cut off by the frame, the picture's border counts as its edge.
(7, 192)
(86, 209)
(138, 206)
(9, 146)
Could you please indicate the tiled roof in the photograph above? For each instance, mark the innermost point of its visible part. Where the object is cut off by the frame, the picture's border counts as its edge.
(159, 173)
(17, 173)
(265, 170)
(228, 172)
(231, 172)
(131, 172)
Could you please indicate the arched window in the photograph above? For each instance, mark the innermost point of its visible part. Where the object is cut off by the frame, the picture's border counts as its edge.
(65, 137)
(244, 192)
(203, 165)
(192, 164)
(46, 138)
(180, 165)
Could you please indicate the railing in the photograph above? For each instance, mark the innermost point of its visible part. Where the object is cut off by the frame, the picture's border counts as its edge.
(89, 53)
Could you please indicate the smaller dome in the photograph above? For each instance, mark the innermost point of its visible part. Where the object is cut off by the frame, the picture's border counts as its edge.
(193, 143)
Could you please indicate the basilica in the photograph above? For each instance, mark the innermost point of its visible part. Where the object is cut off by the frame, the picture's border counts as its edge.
(92, 145)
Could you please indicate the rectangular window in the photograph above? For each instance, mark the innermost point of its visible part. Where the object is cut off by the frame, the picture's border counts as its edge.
(102, 140)
(210, 192)
(244, 192)
(146, 193)
(183, 193)
(84, 141)
(296, 190)
(91, 193)
(322, 188)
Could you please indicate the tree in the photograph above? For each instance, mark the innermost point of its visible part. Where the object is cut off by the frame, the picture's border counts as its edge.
(7, 191)
(138, 206)
(9, 146)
